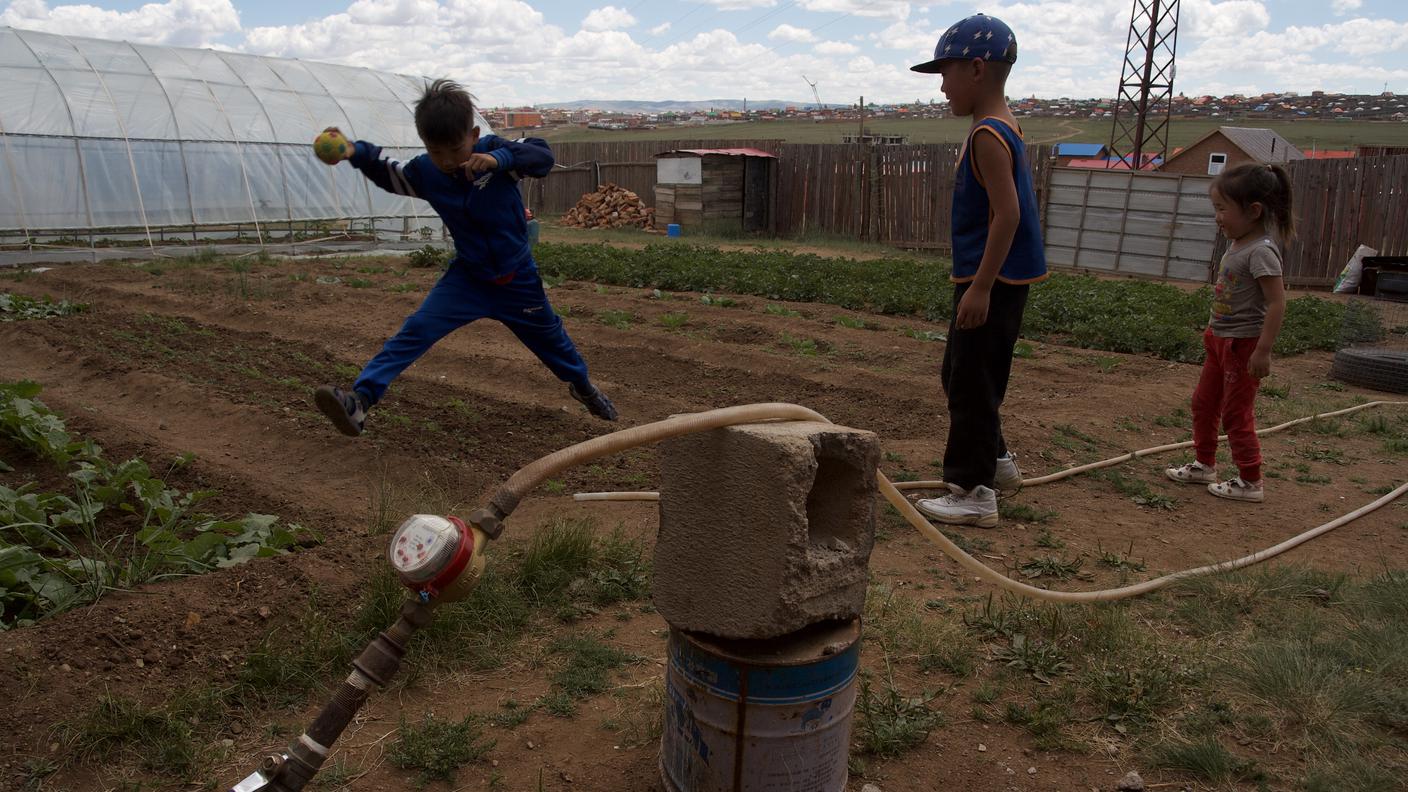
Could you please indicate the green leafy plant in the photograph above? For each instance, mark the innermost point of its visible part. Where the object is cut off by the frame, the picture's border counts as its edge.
(17, 307)
(429, 257)
(120, 527)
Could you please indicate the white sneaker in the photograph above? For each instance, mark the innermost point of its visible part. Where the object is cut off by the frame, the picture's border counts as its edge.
(1239, 490)
(977, 506)
(1193, 473)
(1008, 478)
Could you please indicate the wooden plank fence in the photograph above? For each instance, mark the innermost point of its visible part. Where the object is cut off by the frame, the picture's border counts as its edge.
(900, 195)
(1340, 205)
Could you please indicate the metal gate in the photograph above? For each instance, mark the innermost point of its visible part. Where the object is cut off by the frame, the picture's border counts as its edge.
(1131, 223)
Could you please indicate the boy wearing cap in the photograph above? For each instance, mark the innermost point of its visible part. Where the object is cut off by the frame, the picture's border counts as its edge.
(997, 254)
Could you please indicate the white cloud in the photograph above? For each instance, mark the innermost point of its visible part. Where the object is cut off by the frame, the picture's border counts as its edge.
(740, 5)
(188, 23)
(509, 52)
(866, 8)
(1201, 18)
(836, 48)
(790, 33)
(904, 36)
(608, 18)
(1343, 7)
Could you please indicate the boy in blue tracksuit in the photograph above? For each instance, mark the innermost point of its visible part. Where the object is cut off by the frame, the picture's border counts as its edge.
(472, 183)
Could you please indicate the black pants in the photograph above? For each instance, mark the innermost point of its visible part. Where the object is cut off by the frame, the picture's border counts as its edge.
(977, 364)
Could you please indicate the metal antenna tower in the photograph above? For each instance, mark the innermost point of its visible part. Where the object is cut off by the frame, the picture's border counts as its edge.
(814, 92)
(1146, 84)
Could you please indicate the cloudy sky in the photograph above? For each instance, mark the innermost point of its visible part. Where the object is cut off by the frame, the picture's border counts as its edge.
(530, 51)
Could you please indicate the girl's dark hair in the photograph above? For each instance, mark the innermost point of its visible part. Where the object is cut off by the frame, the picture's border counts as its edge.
(1267, 185)
(444, 113)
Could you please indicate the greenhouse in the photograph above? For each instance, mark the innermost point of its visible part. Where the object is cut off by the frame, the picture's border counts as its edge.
(106, 145)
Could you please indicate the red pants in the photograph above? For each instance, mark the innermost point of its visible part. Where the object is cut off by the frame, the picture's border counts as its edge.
(1226, 394)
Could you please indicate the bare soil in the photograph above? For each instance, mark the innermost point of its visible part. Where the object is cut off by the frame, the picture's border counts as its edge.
(204, 360)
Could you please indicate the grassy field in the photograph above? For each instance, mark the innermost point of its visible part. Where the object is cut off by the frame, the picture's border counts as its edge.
(1305, 134)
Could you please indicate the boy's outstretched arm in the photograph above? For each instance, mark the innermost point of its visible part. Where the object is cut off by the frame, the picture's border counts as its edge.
(386, 173)
(994, 169)
(526, 157)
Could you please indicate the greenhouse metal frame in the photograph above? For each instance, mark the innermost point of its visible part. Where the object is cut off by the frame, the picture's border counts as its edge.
(112, 147)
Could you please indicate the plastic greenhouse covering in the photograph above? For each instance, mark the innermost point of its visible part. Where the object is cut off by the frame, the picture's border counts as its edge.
(109, 135)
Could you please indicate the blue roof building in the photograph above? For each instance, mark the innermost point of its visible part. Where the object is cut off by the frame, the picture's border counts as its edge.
(1081, 150)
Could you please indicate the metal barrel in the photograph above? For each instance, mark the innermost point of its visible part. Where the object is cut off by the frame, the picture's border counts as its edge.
(760, 716)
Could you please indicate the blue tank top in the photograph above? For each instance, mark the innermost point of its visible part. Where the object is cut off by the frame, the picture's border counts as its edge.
(1026, 261)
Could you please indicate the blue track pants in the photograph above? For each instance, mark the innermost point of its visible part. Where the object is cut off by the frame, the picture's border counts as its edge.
(455, 301)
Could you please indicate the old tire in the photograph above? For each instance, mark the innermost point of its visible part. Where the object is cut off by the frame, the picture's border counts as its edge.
(1376, 369)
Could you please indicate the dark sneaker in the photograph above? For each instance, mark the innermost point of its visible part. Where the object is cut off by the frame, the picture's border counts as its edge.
(596, 401)
(347, 411)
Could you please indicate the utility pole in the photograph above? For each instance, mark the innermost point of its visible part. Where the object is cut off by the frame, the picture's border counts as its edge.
(1144, 104)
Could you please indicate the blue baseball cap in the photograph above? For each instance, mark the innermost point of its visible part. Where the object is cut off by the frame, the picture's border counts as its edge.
(977, 36)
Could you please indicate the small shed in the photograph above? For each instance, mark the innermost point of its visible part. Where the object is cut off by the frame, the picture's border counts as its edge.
(724, 189)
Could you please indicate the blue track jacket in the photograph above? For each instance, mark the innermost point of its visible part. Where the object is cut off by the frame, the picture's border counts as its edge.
(484, 215)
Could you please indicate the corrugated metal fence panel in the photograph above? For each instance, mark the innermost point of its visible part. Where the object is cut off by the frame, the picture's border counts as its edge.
(1130, 223)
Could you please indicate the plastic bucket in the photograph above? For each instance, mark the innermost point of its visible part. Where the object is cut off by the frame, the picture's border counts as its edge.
(673, 229)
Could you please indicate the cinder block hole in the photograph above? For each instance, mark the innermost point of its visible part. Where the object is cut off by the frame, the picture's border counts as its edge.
(832, 504)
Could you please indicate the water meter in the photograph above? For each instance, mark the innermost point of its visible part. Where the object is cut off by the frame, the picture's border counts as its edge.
(438, 557)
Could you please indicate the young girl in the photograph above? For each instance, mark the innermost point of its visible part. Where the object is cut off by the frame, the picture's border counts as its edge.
(1253, 202)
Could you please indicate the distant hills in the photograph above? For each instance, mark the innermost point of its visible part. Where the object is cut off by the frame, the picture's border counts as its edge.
(631, 106)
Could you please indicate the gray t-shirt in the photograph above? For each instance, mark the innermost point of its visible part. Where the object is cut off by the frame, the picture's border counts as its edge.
(1238, 307)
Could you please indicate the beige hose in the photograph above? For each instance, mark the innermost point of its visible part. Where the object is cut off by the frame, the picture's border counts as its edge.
(968, 562)
(525, 479)
(617, 496)
(535, 473)
(1133, 455)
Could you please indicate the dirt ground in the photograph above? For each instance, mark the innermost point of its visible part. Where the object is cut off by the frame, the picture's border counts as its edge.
(231, 380)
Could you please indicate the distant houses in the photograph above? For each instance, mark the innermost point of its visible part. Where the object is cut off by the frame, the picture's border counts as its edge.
(1222, 148)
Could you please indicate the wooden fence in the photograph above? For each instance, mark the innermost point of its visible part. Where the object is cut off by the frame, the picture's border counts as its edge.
(582, 167)
(1340, 205)
(900, 195)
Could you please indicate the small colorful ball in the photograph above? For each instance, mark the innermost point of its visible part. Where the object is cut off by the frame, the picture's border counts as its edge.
(331, 147)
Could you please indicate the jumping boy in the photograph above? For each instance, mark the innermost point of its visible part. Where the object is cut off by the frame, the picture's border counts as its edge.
(472, 183)
(997, 254)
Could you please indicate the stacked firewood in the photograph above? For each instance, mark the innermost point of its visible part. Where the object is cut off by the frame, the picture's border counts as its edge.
(611, 206)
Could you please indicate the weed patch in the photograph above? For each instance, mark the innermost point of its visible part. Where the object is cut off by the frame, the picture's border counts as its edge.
(621, 320)
(1138, 491)
(891, 723)
(437, 749)
(586, 671)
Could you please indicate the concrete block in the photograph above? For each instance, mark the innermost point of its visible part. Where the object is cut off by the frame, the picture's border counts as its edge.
(765, 528)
